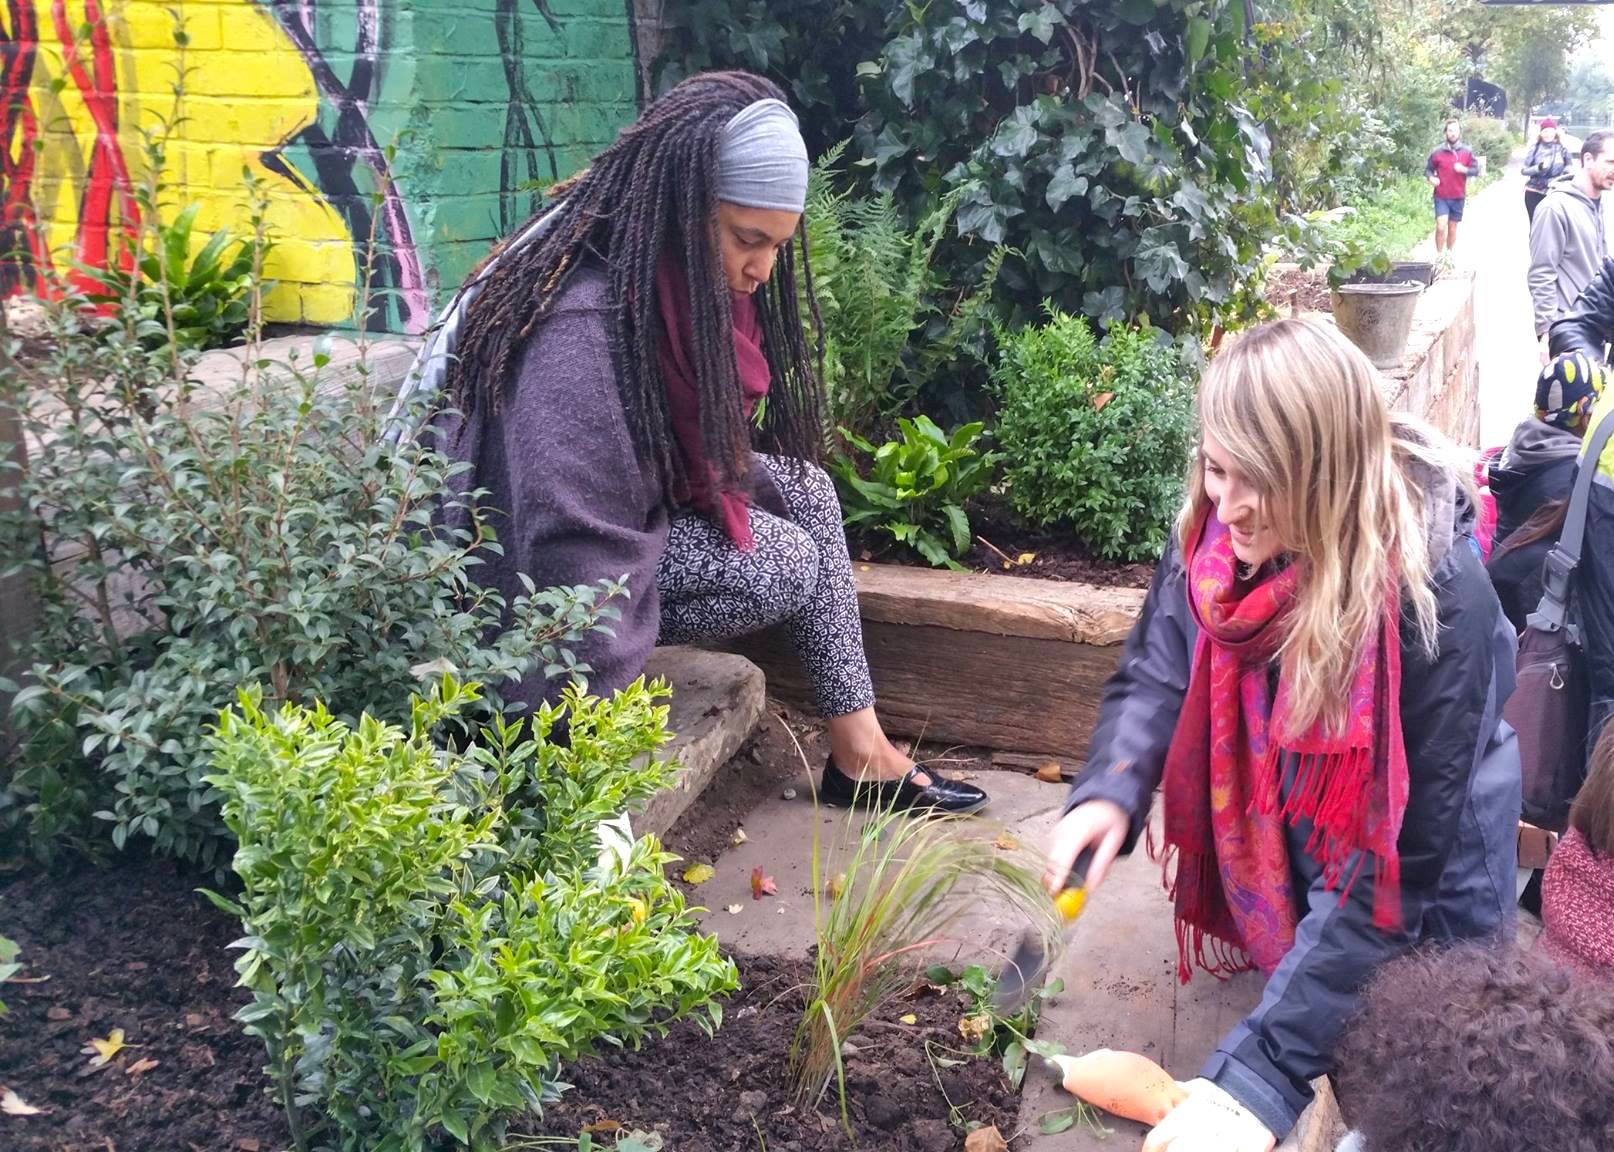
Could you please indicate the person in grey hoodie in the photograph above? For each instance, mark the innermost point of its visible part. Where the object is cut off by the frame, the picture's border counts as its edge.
(1567, 244)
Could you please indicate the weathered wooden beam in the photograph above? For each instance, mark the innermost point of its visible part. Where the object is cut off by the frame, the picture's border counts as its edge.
(998, 662)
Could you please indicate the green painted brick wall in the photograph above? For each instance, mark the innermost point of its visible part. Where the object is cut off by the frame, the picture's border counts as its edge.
(410, 129)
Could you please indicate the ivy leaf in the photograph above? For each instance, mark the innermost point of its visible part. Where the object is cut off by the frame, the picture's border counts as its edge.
(1042, 22)
(1017, 135)
(1064, 185)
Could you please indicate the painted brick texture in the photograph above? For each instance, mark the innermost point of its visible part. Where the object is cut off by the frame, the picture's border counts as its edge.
(409, 131)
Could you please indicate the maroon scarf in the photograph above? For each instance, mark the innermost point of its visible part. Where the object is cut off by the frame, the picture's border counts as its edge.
(1223, 820)
(723, 503)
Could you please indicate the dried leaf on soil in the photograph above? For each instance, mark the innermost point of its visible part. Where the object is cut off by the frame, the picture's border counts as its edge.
(738, 838)
(140, 1067)
(1025, 558)
(1048, 772)
(975, 1028)
(57, 1012)
(987, 1139)
(603, 1127)
(1006, 843)
(762, 885)
(100, 1051)
(910, 1019)
(699, 873)
(13, 1105)
(735, 909)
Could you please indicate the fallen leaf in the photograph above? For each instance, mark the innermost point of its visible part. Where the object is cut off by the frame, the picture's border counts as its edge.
(603, 1127)
(1025, 558)
(1048, 772)
(140, 1066)
(195, 1020)
(699, 873)
(735, 909)
(13, 1105)
(247, 1144)
(837, 885)
(762, 885)
(57, 1012)
(975, 1028)
(100, 1051)
(909, 1019)
(738, 838)
(1102, 399)
(987, 1139)
(1006, 843)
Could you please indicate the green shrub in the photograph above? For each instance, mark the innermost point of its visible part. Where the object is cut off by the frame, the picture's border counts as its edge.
(885, 330)
(1490, 139)
(207, 297)
(1094, 437)
(206, 542)
(918, 487)
(429, 937)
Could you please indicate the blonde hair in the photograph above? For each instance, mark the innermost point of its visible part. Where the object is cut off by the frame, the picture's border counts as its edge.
(1300, 412)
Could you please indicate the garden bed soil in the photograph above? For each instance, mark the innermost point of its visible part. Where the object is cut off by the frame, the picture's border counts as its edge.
(1003, 547)
(1295, 291)
(732, 1093)
(131, 947)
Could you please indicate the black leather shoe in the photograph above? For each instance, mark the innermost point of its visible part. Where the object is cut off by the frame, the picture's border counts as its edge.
(949, 797)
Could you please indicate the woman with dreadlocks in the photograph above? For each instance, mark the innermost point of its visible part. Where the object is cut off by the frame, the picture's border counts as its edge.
(1315, 685)
(602, 372)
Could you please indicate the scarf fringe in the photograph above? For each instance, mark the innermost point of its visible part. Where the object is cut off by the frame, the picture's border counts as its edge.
(1333, 791)
(1211, 949)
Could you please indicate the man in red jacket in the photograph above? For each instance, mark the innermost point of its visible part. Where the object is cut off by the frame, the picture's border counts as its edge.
(1448, 171)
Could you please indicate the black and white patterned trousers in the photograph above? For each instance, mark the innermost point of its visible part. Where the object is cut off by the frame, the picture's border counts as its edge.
(800, 574)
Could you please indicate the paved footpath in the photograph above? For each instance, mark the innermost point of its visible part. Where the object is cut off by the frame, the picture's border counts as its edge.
(1494, 242)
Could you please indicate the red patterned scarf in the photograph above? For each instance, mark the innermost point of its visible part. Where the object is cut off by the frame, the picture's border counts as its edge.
(724, 504)
(1224, 818)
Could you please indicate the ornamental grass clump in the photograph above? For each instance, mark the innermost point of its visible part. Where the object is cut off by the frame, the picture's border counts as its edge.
(900, 889)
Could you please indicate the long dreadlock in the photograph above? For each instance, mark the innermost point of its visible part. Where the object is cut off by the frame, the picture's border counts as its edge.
(655, 189)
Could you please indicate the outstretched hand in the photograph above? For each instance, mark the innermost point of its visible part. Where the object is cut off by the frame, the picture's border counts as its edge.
(1100, 824)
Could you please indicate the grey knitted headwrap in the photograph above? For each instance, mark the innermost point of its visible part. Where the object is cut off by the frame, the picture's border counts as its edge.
(762, 159)
(762, 163)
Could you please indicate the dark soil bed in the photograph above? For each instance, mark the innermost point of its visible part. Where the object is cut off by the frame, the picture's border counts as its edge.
(1002, 546)
(129, 947)
(731, 1092)
(1293, 291)
(133, 947)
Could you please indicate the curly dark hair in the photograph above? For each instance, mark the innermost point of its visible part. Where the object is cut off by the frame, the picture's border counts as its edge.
(1479, 1049)
(654, 191)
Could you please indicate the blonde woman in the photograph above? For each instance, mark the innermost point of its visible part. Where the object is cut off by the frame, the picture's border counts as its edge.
(1315, 685)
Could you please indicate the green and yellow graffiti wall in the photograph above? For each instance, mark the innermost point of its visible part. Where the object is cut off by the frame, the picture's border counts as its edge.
(413, 130)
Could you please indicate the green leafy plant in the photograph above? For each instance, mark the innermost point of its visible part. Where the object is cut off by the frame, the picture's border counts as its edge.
(900, 888)
(9, 965)
(430, 936)
(880, 296)
(917, 487)
(992, 1033)
(197, 302)
(1095, 437)
(1491, 140)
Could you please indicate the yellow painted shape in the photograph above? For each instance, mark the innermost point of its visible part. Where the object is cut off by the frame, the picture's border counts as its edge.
(247, 91)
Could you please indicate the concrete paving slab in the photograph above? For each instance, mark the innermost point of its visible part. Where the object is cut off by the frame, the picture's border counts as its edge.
(780, 842)
(717, 701)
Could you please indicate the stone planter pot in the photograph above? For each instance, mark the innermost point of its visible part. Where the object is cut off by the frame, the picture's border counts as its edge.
(1377, 318)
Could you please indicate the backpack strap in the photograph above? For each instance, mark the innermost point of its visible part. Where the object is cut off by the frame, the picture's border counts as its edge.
(1552, 614)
